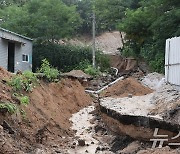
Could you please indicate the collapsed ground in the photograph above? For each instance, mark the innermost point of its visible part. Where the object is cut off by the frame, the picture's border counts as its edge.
(53, 121)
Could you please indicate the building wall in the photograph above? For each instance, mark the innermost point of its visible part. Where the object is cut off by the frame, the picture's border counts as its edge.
(172, 61)
(25, 47)
(3, 53)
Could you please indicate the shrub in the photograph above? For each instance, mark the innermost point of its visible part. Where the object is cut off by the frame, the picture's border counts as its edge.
(26, 81)
(83, 65)
(24, 100)
(11, 108)
(92, 71)
(16, 83)
(66, 57)
(49, 72)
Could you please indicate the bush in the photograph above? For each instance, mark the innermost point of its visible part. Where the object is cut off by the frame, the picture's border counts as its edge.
(66, 57)
(49, 72)
(17, 83)
(24, 100)
(25, 81)
(92, 71)
(11, 108)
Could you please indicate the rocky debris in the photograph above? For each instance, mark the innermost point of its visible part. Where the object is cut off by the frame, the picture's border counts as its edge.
(6, 146)
(8, 128)
(100, 82)
(120, 142)
(152, 80)
(165, 97)
(81, 142)
(137, 115)
(132, 148)
(78, 74)
(165, 150)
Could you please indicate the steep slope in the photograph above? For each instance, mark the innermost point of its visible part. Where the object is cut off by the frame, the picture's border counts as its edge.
(46, 119)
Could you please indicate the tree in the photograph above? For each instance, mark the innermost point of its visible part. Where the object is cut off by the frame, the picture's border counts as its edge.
(148, 27)
(42, 19)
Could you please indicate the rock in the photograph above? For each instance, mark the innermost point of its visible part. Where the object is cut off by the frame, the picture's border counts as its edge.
(39, 151)
(81, 142)
(6, 126)
(1, 129)
(58, 151)
(92, 142)
(130, 95)
(73, 147)
(98, 149)
(74, 143)
(86, 151)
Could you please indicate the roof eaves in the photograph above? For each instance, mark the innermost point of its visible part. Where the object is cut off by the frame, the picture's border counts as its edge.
(5, 30)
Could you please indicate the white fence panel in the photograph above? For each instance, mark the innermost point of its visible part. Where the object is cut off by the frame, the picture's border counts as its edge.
(172, 61)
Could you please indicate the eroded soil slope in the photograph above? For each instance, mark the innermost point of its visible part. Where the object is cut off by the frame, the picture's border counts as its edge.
(46, 124)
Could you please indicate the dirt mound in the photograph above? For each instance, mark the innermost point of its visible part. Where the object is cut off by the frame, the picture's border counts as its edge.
(46, 121)
(125, 87)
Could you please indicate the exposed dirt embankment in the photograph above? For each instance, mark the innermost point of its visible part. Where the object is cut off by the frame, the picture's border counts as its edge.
(45, 125)
(108, 42)
(56, 102)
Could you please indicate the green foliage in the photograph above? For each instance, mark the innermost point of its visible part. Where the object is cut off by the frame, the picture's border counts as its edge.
(49, 72)
(83, 65)
(67, 57)
(25, 81)
(11, 108)
(24, 100)
(92, 71)
(147, 28)
(16, 83)
(102, 61)
(42, 19)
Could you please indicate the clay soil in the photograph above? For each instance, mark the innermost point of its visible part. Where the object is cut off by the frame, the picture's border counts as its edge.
(125, 87)
(47, 116)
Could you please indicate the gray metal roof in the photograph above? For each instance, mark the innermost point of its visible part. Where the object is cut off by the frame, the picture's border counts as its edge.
(5, 30)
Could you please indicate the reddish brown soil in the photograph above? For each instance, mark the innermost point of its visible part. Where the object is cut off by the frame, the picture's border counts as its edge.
(5, 94)
(125, 87)
(4, 74)
(47, 116)
(56, 102)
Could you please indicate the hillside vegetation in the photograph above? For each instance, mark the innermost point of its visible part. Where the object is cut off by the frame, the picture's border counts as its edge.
(147, 23)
